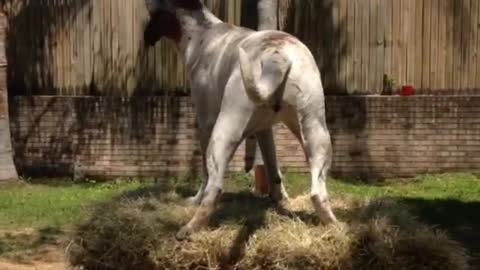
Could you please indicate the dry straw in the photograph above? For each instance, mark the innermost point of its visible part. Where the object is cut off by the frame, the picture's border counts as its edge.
(249, 233)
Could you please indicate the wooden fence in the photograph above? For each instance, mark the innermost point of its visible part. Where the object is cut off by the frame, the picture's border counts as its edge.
(84, 47)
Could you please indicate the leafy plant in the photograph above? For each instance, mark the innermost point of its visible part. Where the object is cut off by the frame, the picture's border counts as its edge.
(389, 85)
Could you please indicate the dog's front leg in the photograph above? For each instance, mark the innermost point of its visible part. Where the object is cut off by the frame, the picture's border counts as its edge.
(204, 136)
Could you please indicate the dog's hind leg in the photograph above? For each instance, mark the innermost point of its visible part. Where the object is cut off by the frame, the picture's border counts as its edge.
(226, 136)
(267, 146)
(318, 150)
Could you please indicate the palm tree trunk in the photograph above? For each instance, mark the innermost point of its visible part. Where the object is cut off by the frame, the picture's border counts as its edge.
(7, 167)
(267, 14)
(274, 14)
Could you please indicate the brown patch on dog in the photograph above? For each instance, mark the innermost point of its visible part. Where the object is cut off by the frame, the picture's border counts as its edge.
(279, 39)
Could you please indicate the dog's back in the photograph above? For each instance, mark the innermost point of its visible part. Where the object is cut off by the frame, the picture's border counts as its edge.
(219, 44)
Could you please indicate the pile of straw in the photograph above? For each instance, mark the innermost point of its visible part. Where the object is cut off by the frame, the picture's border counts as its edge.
(250, 233)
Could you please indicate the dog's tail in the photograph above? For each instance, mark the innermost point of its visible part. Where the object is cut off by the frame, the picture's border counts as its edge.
(274, 74)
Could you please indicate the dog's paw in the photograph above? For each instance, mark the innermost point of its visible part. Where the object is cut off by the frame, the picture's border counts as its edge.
(323, 210)
(184, 233)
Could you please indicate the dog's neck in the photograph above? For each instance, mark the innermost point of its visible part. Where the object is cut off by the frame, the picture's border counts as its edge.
(192, 24)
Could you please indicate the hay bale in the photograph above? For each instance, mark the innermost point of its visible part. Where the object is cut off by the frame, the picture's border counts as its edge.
(248, 233)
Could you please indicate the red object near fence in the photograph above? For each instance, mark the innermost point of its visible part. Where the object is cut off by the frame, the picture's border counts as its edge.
(261, 185)
(408, 90)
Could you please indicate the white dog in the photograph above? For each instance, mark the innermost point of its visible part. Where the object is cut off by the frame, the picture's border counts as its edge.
(242, 82)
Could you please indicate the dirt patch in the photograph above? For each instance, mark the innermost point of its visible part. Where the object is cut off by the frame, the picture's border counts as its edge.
(52, 259)
(31, 249)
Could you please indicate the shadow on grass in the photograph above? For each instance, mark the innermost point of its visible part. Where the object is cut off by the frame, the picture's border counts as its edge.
(158, 190)
(21, 245)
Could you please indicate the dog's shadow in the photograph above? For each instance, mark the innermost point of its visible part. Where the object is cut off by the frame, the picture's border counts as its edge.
(250, 212)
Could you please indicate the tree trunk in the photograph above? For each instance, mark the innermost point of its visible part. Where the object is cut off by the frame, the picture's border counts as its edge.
(7, 167)
(274, 14)
(267, 14)
(285, 15)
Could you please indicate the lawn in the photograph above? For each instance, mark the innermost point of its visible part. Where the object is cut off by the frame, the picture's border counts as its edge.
(56, 204)
(36, 213)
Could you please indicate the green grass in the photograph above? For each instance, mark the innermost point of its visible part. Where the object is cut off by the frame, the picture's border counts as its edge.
(49, 208)
(52, 204)
(57, 204)
(461, 187)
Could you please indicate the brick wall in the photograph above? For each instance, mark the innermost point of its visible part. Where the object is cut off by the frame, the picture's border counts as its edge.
(155, 136)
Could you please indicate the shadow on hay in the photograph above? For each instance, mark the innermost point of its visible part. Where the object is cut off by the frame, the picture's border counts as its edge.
(250, 212)
(460, 219)
(457, 218)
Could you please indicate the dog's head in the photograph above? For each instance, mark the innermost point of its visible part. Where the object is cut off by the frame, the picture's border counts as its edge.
(163, 19)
